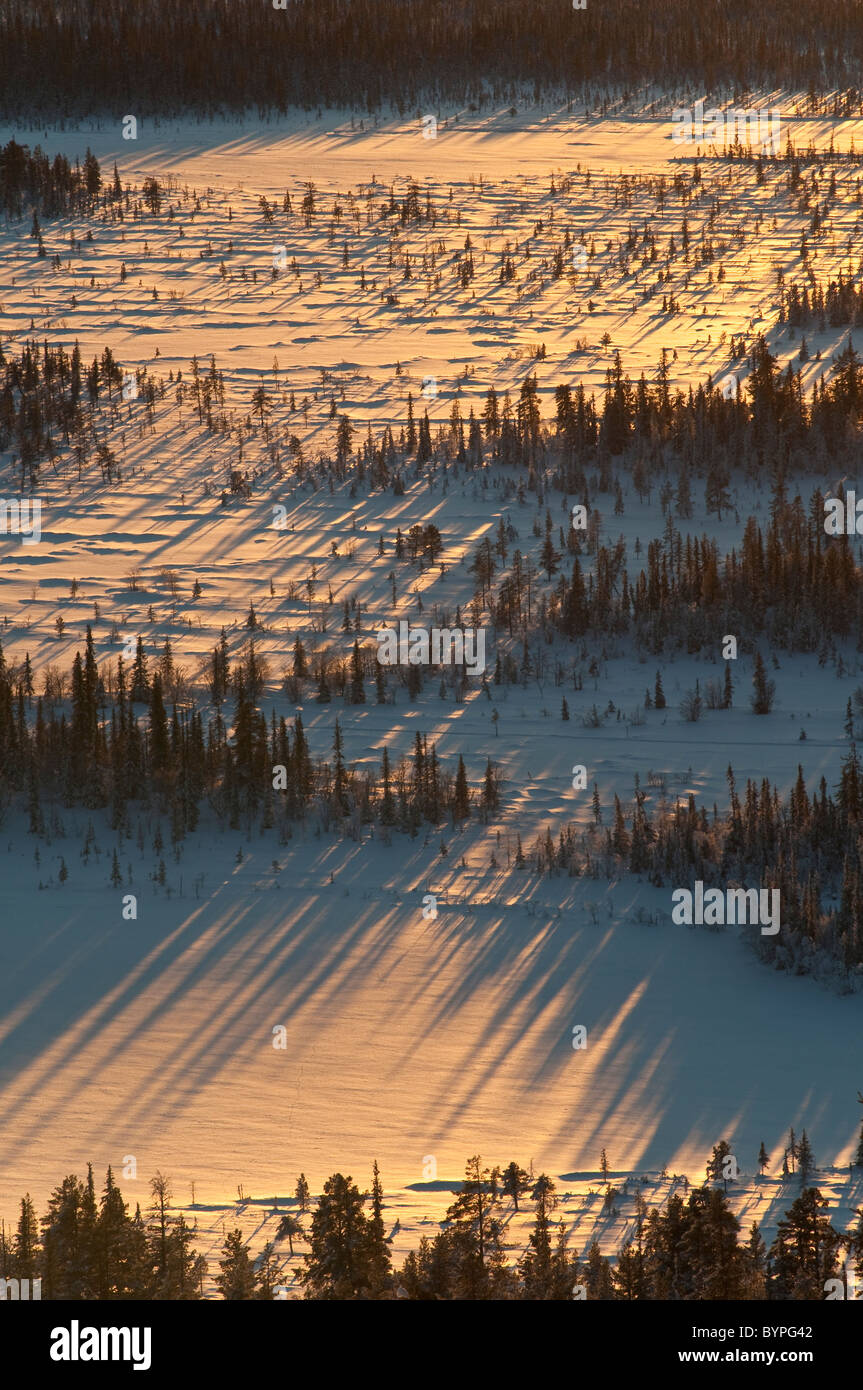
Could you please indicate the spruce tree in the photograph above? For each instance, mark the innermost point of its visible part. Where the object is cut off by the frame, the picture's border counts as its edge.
(380, 684)
(139, 685)
(25, 1242)
(805, 1159)
(716, 1162)
(111, 1246)
(185, 1268)
(337, 1266)
(358, 690)
(754, 1265)
(490, 793)
(387, 807)
(803, 1255)
(378, 1252)
(536, 1264)
(302, 1193)
(269, 1271)
(66, 1261)
(597, 1276)
(158, 1225)
(340, 796)
(461, 796)
(300, 665)
(237, 1279)
(763, 690)
(475, 1234)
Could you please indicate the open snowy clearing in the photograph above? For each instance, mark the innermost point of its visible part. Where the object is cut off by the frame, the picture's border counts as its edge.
(407, 1038)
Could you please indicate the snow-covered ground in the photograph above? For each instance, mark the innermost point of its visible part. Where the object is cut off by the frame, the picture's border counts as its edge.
(408, 1039)
(490, 180)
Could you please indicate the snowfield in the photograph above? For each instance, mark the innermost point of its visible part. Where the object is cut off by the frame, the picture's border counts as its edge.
(411, 1039)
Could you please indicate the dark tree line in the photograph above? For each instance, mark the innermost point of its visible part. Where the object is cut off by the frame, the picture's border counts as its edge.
(690, 1249)
(840, 303)
(806, 846)
(162, 56)
(789, 581)
(101, 751)
(55, 188)
(88, 1246)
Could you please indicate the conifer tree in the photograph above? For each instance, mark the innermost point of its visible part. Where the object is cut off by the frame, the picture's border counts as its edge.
(340, 796)
(536, 1264)
(628, 1274)
(159, 1223)
(475, 1234)
(597, 1276)
(716, 1162)
(139, 685)
(763, 690)
(805, 1159)
(237, 1279)
(380, 684)
(358, 691)
(185, 1269)
(378, 1254)
(754, 1265)
(25, 1242)
(300, 665)
(490, 793)
(269, 1272)
(110, 1242)
(66, 1259)
(803, 1255)
(461, 796)
(388, 811)
(514, 1182)
(338, 1265)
